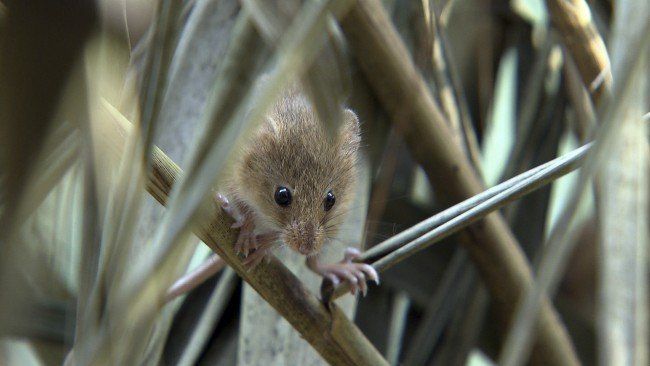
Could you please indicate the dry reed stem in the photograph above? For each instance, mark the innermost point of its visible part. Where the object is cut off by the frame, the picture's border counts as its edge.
(574, 21)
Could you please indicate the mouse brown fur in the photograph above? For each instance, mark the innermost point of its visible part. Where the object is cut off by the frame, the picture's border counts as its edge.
(293, 184)
(292, 150)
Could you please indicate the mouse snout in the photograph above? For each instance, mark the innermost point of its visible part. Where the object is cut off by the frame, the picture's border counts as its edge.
(305, 238)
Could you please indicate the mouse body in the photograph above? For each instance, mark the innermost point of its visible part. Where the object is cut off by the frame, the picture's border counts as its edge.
(293, 184)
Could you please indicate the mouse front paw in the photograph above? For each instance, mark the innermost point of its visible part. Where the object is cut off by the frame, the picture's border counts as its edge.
(263, 251)
(246, 241)
(355, 274)
(230, 210)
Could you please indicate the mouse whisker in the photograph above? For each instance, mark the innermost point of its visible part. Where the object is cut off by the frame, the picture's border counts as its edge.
(345, 243)
(378, 200)
(334, 217)
(340, 173)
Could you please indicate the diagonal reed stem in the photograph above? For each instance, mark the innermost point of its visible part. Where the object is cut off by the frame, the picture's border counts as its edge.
(531, 177)
(455, 218)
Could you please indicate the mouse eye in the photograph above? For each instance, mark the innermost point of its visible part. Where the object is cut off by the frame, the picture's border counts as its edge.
(283, 196)
(329, 201)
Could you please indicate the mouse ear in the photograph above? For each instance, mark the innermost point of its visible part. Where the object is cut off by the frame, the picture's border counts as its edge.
(350, 135)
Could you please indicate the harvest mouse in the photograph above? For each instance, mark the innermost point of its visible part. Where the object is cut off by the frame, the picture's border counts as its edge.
(293, 185)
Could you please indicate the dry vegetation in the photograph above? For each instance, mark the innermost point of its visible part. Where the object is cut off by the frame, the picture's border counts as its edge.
(118, 119)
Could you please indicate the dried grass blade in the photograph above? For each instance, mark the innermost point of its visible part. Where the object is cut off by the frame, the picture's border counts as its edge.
(220, 297)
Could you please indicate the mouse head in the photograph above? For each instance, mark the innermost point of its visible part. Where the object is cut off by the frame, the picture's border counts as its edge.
(297, 179)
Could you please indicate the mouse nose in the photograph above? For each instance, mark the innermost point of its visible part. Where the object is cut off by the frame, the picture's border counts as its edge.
(306, 241)
(304, 248)
(304, 238)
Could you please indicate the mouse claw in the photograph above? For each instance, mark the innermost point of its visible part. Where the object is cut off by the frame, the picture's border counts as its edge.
(246, 242)
(353, 283)
(361, 281)
(224, 202)
(351, 254)
(264, 244)
(355, 274)
(335, 280)
(370, 272)
(255, 258)
(230, 210)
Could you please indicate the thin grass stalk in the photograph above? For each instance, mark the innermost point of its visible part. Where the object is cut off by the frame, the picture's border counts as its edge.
(114, 241)
(451, 93)
(531, 99)
(153, 88)
(430, 328)
(51, 169)
(196, 25)
(397, 241)
(157, 70)
(473, 214)
(100, 316)
(562, 238)
(585, 115)
(398, 320)
(212, 312)
(469, 134)
(91, 229)
(383, 180)
(538, 142)
(204, 36)
(445, 93)
(466, 324)
(126, 201)
(463, 214)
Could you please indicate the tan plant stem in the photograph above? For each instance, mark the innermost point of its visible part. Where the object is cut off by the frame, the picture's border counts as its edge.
(573, 20)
